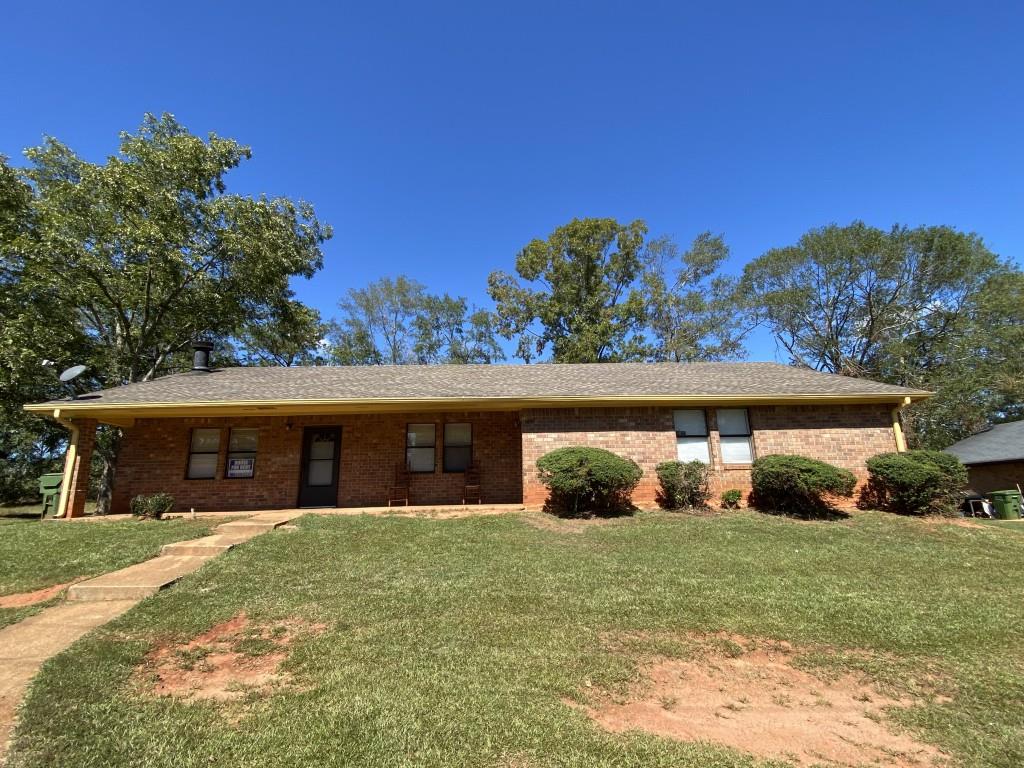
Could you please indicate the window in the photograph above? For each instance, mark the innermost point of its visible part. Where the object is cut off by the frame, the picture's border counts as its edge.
(419, 447)
(202, 454)
(242, 453)
(734, 431)
(691, 435)
(458, 447)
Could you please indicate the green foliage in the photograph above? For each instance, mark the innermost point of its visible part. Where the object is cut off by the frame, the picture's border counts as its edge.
(683, 484)
(597, 290)
(396, 321)
(153, 506)
(731, 498)
(929, 307)
(120, 265)
(797, 485)
(914, 483)
(586, 481)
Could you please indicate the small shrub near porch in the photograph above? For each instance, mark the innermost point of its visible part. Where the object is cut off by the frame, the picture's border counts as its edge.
(684, 484)
(797, 485)
(153, 506)
(587, 481)
(914, 483)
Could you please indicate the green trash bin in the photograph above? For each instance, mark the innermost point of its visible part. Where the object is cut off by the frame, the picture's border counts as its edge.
(1006, 503)
(49, 486)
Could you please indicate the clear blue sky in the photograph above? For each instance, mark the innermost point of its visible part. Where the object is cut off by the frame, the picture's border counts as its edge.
(438, 138)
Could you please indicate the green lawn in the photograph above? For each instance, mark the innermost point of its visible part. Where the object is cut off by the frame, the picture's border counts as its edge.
(455, 643)
(36, 554)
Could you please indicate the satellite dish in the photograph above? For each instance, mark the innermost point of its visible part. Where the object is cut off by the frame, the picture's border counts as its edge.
(71, 373)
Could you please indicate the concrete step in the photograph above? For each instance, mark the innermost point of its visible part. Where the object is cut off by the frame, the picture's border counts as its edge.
(256, 524)
(137, 581)
(208, 546)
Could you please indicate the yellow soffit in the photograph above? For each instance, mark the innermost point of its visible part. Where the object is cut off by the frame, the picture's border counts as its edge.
(122, 412)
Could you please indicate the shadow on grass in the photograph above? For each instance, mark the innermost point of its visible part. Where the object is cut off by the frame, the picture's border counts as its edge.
(798, 508)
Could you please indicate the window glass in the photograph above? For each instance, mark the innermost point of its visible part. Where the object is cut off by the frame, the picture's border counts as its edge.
(734, 434)
(243, 440)
(321, 472)
(204, 446)
(205, 440)
(458, 447)
(242, 445)
(419, 452)
(691, 422)
(733, 421)
(691, 435)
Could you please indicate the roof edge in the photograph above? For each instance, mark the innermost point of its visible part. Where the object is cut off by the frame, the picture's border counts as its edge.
(85, 409)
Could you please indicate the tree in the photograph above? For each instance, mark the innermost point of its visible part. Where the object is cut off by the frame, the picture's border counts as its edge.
(691, 308)
(147, 251)
(596, 290)
(290, 334)
(916, 307)
(396, 321)
(578, 294)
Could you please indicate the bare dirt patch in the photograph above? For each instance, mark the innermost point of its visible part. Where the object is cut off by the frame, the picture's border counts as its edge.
(753, 700)
(21, 599)
(227, 662)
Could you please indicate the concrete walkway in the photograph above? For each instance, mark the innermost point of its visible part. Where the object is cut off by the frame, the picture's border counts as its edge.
(26, 645)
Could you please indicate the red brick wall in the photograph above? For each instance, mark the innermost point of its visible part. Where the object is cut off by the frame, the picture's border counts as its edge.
(1001, 476)
(155, 452)
(845, 435)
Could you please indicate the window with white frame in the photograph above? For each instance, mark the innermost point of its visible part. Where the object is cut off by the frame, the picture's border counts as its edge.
(691, 428)
(419, 447)
(734, 436)
(204, 448)
(458, 447)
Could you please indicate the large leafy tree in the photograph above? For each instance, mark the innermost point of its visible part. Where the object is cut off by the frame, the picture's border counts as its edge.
(396, 321)
(577, 294)
(925, 307)
(140, 254)
(597, 290)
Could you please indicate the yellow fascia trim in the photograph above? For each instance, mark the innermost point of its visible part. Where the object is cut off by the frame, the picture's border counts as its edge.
(124, 413)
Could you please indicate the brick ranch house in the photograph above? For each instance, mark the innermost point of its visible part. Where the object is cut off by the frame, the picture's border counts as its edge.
(270, 438)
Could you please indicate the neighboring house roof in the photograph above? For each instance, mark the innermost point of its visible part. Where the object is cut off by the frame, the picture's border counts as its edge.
(1003, 442)
(255, 389)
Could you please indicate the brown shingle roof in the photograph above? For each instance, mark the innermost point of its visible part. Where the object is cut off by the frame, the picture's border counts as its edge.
(483, 382)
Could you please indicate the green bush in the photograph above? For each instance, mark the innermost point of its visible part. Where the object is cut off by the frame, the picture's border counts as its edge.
(683, 484)
(154, 506)
(797, 485)
(914, 483)
(585, 481)
(731, 498)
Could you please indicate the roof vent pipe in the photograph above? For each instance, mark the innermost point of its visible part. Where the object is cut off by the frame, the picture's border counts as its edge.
(201, 355)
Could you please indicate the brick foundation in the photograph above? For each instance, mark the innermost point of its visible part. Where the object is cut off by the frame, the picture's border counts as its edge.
(154, 455)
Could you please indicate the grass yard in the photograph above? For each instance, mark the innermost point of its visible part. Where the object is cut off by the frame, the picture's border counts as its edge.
(459, 642)
(36, 554)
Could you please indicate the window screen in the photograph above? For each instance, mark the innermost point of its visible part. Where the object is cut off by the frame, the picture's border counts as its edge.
(242, 444)
(202, 455)
(691, 435)
(419, 447)
(458, 447)
(734, 434)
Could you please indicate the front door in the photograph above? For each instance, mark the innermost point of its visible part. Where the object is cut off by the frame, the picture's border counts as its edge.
(321, 449)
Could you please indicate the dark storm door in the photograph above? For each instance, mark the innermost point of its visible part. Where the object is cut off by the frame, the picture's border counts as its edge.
(321, 448)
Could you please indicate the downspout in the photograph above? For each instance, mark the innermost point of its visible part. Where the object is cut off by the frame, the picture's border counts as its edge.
(69, 462)
(897, 428)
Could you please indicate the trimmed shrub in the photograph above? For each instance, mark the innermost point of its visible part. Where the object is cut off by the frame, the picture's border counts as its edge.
(683, 484)
(154, 506)
(797, 485)
(585, 481)
(914, 483)
(731, 498)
